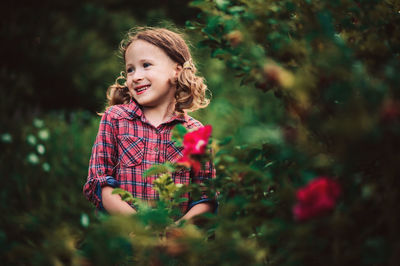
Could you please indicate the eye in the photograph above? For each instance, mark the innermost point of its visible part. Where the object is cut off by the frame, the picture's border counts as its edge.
(129, 70)
(146, 65)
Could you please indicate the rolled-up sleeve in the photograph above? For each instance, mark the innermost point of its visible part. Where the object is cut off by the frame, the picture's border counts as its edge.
(102, 161)
(208, 172)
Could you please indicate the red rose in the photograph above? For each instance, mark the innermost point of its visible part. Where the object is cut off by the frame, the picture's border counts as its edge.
(390, 111)
(317, 198)
(195, 142)
(189, 162)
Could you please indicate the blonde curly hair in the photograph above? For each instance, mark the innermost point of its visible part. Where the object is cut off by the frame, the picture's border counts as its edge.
(190, 89)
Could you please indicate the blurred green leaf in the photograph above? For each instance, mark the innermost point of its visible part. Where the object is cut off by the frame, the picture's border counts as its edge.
(159, 169)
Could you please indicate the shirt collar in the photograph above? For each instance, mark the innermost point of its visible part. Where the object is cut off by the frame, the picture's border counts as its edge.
(136, 110)
(179, 117)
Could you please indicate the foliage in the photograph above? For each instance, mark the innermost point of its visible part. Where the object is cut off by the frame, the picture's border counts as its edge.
(319, 97)
(42, 167)
(323, 60)
(63, 55)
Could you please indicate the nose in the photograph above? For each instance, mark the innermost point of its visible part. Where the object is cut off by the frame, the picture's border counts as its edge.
(137, 76)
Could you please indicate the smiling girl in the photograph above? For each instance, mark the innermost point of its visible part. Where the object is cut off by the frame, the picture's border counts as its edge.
(160, 86)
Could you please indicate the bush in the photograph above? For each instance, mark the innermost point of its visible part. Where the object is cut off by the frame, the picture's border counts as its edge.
(310, 178)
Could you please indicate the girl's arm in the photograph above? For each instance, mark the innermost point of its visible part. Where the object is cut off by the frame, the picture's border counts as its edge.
(114, 204)
(204, 206)
(103, 159)
(197, 210)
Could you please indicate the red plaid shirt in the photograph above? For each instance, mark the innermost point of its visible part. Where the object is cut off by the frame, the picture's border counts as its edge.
(127, 145)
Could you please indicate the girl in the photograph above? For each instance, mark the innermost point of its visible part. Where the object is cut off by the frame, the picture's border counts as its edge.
(135, 130)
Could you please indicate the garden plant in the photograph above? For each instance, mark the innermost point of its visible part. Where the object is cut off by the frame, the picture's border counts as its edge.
(304, 133)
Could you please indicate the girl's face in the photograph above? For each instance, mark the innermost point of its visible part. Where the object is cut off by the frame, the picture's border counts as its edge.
(150, 74)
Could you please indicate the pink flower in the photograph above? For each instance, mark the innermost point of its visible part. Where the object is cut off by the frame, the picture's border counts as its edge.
(195, 142)
(190, 163)
(317, 198)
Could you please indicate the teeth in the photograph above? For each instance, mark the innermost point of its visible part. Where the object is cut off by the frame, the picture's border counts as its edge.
(143, 88)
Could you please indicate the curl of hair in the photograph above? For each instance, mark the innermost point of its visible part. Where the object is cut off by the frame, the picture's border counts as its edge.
(118, 93)
(190, 89)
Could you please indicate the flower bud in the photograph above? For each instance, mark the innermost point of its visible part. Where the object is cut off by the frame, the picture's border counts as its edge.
(317, 198)
(277, 75)
(234, 38)
(390, 111)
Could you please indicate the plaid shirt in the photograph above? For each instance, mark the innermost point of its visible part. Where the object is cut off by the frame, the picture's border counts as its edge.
(127, 145)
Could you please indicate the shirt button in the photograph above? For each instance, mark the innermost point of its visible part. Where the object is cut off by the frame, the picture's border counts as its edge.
(155, 149)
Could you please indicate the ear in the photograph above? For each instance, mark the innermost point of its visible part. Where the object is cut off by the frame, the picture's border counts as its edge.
(178, 69)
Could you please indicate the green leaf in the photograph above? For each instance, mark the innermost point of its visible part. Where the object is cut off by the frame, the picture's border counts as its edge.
(236, 9)
(181, 200)
(220, 53)
(160, 169)
(125, 195)
(225, 141)
(222, 4)
(230, 159)
(178, 133)
(190, 25)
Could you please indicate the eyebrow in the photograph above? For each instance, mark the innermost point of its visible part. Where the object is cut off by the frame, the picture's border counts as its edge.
(143, 60)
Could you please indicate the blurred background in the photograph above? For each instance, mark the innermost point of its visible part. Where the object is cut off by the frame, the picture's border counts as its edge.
(57, 60)
(61, 57)
(306, 91)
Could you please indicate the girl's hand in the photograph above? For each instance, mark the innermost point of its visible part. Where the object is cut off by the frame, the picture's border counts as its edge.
(114, 204)
(196, 210)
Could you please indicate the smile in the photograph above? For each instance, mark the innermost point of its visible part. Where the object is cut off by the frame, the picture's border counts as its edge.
(141, 89)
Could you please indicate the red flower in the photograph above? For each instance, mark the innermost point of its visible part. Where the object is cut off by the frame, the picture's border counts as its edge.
(195, 143)
(190, 163)
(317, 198)
(390, 111)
